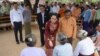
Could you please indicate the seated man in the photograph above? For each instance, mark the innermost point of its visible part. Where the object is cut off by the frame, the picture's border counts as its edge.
(85, 46)
(64, 49)
(31, 50)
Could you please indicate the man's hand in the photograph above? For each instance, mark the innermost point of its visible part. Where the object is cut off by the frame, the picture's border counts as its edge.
(12, 26)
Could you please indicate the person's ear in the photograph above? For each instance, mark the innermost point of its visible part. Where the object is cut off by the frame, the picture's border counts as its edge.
(85, 34)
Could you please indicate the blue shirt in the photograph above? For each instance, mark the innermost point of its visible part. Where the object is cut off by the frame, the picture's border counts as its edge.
(63, 50)
(87, 15)
(32, 51)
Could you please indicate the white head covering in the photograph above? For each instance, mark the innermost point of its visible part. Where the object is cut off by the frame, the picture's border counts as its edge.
(82, 34)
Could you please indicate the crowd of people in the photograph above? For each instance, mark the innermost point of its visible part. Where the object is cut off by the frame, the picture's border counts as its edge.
(57, 20)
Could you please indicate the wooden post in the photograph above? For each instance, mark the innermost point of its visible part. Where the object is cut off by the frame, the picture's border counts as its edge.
(36, 6)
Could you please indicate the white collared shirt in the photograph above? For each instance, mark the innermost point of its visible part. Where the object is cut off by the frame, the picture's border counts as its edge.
(55, 9)
(42, 17)
(38, 10)
(84, 47)
(32, 51)
(16, 16)
(63, 50)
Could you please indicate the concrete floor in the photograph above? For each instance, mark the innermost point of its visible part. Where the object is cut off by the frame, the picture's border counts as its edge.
(8, 46)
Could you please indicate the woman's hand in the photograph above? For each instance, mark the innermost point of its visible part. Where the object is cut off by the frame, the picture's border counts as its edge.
(50, 43)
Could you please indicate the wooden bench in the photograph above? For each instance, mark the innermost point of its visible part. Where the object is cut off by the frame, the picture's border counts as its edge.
(5, 25)
(5, 21)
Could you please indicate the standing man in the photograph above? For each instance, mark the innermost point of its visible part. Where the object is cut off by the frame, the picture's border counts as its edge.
(16, 18)
(87, 18)
(76, 12)
(27, 19)
(67, 25)
(42, 18)
(55, 9)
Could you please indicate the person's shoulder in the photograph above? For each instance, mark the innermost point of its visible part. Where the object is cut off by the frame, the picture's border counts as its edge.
(57, 47)
(73, 18)
(38, 13)
(24, 10)
(40, 49)
(68, 44)
(88, 38)
(81, 42)
(19, 10)
(24, 50)
(62, 18)
(11, 10)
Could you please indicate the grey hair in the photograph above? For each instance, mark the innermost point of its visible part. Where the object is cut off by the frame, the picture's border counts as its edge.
(30, 40)
(82, 34)
(62, 39)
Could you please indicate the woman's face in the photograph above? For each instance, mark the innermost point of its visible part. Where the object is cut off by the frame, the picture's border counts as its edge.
(53, 19)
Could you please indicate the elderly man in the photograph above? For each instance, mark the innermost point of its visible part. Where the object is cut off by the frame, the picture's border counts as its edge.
(64, 49)
(85, 46)
(31, 50)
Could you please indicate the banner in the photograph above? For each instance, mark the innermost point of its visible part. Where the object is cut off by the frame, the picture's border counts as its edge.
(41, 1)
(32, 1)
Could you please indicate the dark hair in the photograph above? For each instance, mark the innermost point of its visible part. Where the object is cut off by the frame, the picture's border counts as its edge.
(67, 11)
(26, 5)
(54, 15)
(3, 2)
(42, 6)
(92, 4)
(22, 4)
(14, 3)
(77, 5)
(62, 38)
(62, 5)
(30, 41)
(88, 6)
(63, 41)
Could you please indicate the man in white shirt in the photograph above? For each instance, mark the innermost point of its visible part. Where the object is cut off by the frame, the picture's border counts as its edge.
(85, 46)
(55, 9)
(16, 18)
(31, 50)
(64, 49)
